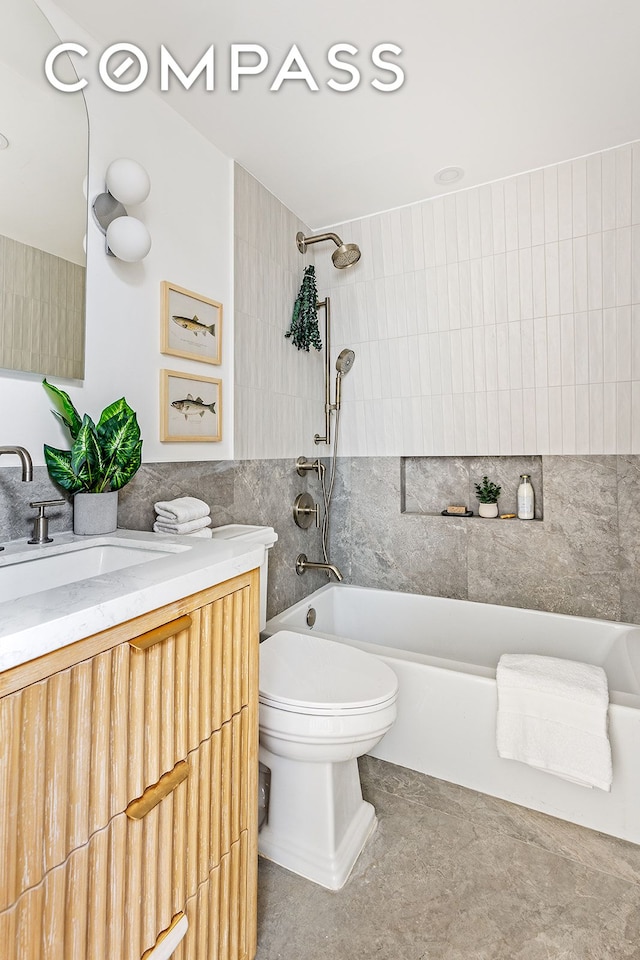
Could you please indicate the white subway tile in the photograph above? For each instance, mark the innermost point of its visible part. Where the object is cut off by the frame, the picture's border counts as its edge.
(428, 235)
(466, 350)
(435, 365)
(515, 354)
(477, 315)
(580, 282)
(568, 420)
(623, 266)
(439, 231)
(442, 287)
(482, 418)
(540, 351)
(479, 359)
(491, 357)
(416, 235)
(583, 431)
(377, 260)
(555, 420)
(567, 349)
(410, 303)
(594, 193)
(536, 180)
(396, 238)
(526, 284)
(635, 342)
(581, 325)
(464, 289)
(635, 416)
(493, 423)
(623, 186)
(447, 416)
(513, 284)
(445, 361)
(475, 238)
(395, 371)
(497, 215)
(401, 304)
(455, 351)
(471, 433)
(609, 344)
(433, 313)
(510, 214)
(623, 418)
(596, 418)
(488, 291)
(528, 359)
(459, 431)
(428, 445)
(422, 317)
(486, 220)
(565, 269)
(500, 288)
(579, 197)
(594, 271)
(504, 423)
(554, 359)
(524, 210)
(542, 420)
(609, 268)
(438, 426)
(596, 347)
(552, 277)
(550, 176)
(623, 346)
(502, 355)
(609, 190)
(610, 416)
(538, 279)
(424, 354)
(453, 295)
(408, 245)
(530, 441)
(450, 228)
(565, 202)
(635, 182)
(635, 263)
(462, 225)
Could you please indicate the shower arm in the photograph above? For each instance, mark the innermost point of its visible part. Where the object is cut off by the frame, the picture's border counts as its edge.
(328, 406)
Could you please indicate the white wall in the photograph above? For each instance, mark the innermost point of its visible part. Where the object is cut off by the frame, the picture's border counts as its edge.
(189, 214)
(504, 319)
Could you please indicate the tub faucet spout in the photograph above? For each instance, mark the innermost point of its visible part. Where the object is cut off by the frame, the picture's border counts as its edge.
(302, 564)
(25, 459)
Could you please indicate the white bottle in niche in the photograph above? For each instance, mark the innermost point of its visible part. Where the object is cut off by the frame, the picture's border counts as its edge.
(525, 498)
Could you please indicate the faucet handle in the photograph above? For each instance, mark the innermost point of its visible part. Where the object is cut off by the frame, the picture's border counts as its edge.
(41, 522)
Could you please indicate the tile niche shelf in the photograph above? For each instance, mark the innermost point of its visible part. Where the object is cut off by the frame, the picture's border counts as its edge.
(428, 485)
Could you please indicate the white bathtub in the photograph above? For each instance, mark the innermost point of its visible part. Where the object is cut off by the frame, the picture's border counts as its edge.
(445, 654)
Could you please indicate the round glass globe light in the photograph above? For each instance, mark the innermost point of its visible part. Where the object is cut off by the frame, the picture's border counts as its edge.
(128, 239)
(127, 181)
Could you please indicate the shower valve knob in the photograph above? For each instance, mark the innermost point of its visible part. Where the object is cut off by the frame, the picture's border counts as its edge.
(305, 510)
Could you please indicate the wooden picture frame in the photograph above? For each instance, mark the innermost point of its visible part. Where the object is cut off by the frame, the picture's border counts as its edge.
(191, 325)
(190, 407)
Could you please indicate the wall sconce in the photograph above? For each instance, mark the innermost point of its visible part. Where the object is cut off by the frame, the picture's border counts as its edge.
(127, 238)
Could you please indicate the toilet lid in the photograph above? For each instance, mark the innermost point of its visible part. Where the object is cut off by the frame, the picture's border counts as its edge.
(298, 670)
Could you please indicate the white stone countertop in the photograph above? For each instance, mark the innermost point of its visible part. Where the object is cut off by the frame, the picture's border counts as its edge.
(49, 619)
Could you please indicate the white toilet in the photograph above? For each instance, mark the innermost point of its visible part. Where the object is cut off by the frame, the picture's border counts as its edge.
(323, 704)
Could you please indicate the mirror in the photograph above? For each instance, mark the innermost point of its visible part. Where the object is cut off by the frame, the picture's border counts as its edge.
(44, 139)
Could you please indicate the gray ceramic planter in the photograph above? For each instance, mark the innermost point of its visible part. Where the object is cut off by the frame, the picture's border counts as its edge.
(95, 513)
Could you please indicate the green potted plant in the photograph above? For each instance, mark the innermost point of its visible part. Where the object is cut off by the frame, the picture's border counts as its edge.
(102, 459)
(487, 494)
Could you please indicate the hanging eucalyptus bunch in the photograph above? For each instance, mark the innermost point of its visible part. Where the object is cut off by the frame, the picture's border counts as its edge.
(304, 332)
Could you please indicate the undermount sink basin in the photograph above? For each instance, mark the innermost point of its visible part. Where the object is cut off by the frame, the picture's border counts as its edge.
(25, 573)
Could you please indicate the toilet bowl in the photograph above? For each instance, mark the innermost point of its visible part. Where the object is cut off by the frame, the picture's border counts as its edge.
(323, 704)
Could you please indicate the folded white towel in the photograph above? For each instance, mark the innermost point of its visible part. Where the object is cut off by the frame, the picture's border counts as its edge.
(183, 529)
(552, 714)
(162, 525)
(182, 509)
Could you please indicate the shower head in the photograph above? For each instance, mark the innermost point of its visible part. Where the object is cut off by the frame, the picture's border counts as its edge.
(345, 256)
(345, 361)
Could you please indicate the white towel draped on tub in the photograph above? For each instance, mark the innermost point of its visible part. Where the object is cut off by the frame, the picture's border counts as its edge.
(552, 714)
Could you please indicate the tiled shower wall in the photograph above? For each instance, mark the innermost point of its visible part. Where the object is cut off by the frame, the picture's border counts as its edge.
(504, 319)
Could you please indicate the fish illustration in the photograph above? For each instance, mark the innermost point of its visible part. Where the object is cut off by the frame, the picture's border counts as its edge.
(194, 325)
(193, 408)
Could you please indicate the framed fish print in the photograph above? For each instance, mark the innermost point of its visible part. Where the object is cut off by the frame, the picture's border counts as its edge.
(191, 325)
(190, 407)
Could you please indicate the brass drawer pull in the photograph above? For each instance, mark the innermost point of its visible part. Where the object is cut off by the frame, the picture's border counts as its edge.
(152, 796)
(146, 640)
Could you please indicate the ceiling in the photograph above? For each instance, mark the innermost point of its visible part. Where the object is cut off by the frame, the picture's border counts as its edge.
(495, 87)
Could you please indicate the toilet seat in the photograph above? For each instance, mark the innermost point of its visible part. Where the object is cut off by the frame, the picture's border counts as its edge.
(305, 674)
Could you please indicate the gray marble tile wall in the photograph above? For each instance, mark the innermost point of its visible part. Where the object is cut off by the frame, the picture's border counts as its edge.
(42, 311)
(583, 558)
(16, 516)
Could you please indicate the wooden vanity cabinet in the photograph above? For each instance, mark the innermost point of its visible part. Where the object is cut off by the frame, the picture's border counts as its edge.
(128, 787)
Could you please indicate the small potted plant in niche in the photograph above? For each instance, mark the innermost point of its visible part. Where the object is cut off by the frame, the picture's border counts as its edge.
(487, 494)
(102, 459)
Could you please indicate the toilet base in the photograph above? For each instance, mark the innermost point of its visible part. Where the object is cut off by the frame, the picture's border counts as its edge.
(318, 822)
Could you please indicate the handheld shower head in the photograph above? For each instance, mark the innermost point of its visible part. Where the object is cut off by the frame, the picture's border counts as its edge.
(345, 256)
(345, 361)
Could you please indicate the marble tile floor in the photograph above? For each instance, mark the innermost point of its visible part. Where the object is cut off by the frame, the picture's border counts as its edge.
(451, 874)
